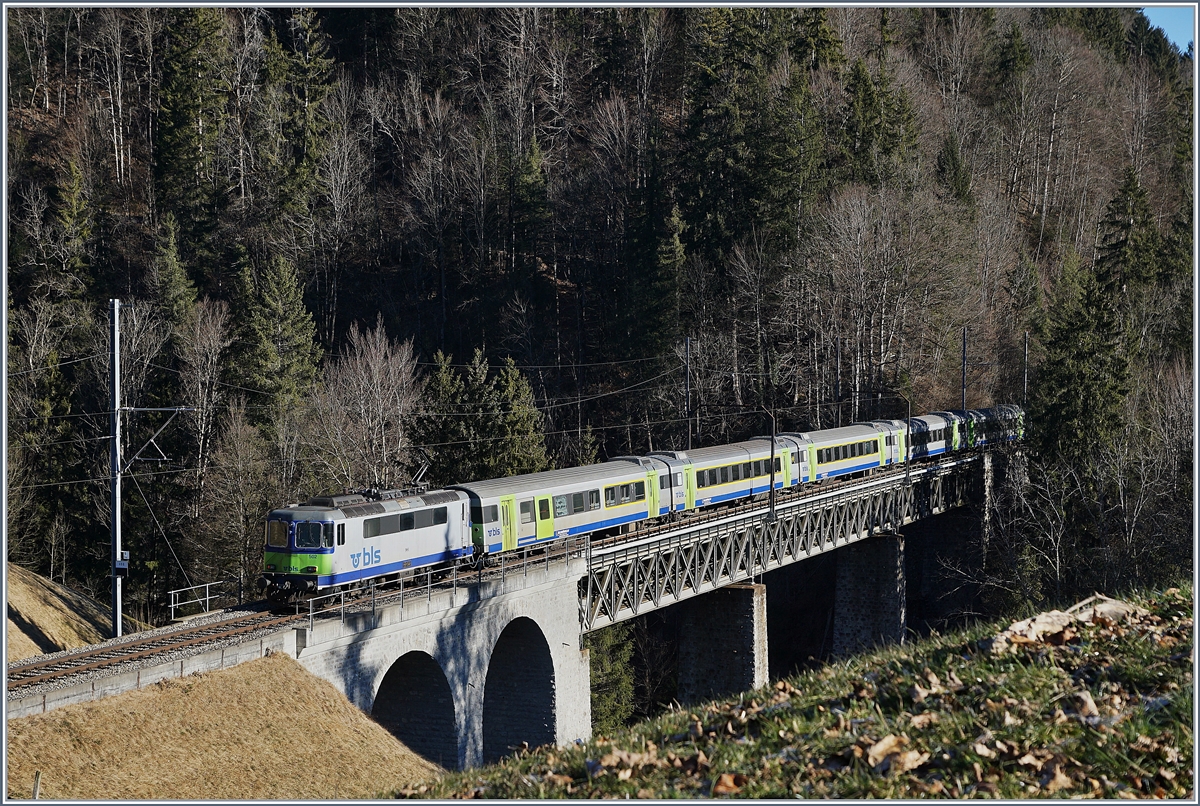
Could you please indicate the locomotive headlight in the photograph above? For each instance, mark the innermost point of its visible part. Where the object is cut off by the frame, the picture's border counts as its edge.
(270, 566)
(309, 569)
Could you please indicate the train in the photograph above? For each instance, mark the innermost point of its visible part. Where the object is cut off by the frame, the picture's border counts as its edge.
(348, 540)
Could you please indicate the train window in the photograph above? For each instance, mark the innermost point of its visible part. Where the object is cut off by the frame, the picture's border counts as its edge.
(664, 481)
(639, 491)
(341, 534)
(747, 470)
(677, 478)
(735, 473)
(544, 509)
(610, 496)
(560, 506)
(277, 534)
(526, 512)
(778, 467)
(725, 475)
(577, 503)
(308, 535)
(593, 499)
(327, 535)
(423, 518)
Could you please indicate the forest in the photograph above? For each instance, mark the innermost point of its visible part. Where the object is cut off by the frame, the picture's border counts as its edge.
(373, 247)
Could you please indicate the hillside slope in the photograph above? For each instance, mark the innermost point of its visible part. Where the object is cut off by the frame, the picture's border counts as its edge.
(263, 729)
(44, 616)
(1085, 704)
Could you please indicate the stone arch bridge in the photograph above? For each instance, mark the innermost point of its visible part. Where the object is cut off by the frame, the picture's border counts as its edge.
(465, 673)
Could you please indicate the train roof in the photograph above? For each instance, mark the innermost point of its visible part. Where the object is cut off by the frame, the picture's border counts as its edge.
(547, 479)
(738, 450)
(835, 435)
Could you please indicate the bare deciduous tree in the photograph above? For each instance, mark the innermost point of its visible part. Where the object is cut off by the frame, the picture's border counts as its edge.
(201, 345)
(360, 422)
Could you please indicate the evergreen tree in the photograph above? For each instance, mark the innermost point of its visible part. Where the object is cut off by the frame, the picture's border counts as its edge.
(1129, 239)
(952, 172)
(478, 425)
(751, 140)
(297, 76)
(173, 288)
(517, 441)
(610, 654)
(443, 427)
(276, 354)
(1081, 383)
(191, 115)
(879, 126)
(75, 221)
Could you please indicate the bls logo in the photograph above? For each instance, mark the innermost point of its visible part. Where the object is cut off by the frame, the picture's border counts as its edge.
(369, 557)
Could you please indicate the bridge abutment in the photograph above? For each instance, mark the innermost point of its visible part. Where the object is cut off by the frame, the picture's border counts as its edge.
(723, 643)
(870, 598)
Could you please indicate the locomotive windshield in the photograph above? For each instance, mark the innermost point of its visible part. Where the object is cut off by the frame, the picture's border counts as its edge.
(277, 534)
(308, 535)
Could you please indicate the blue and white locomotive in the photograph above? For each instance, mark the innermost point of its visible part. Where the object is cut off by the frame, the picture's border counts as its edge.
(337, 541)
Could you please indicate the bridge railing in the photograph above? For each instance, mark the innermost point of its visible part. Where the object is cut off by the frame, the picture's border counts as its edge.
(638, 574)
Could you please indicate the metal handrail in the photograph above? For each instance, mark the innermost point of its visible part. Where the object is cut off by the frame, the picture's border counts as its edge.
(205, 600)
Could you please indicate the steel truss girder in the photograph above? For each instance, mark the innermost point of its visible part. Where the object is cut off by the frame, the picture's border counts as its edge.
(644, 574)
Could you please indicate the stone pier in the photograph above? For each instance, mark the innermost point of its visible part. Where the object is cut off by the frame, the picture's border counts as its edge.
(870, 602)
(723, 643)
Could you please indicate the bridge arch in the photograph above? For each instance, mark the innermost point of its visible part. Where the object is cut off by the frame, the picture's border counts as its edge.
(518, 699)
(416, 706)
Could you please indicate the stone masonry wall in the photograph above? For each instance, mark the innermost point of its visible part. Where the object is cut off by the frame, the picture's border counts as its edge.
(870, 601)
(723, 643)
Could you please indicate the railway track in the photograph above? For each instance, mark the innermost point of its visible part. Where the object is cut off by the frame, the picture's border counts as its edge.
(22, 675)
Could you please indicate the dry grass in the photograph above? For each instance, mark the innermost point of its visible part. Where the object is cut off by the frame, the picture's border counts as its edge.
(43, 616)
(263, 729)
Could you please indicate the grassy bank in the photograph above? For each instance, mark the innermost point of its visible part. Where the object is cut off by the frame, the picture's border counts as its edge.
(1098, 709)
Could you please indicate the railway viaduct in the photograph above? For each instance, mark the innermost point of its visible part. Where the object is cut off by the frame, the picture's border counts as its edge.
(464, 675)
(466, 670)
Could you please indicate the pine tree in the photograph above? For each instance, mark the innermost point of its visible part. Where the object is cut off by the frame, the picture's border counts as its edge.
(173, 288)
(952, 172)
(610, 654)
(277, 354)
(1129, 239)
(518, 444)
(191, 115)
(1082, 382)
(443, 427)
(297, 76)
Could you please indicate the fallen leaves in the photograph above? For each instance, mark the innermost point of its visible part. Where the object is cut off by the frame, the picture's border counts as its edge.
(729, 783)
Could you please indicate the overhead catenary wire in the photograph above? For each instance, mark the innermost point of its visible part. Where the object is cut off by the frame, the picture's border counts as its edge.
(150, 509)
(54, 366)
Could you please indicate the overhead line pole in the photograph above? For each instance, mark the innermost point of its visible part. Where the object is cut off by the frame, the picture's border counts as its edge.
(964, 371)
(687, 352)
(1025, 379)
(114, 312)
